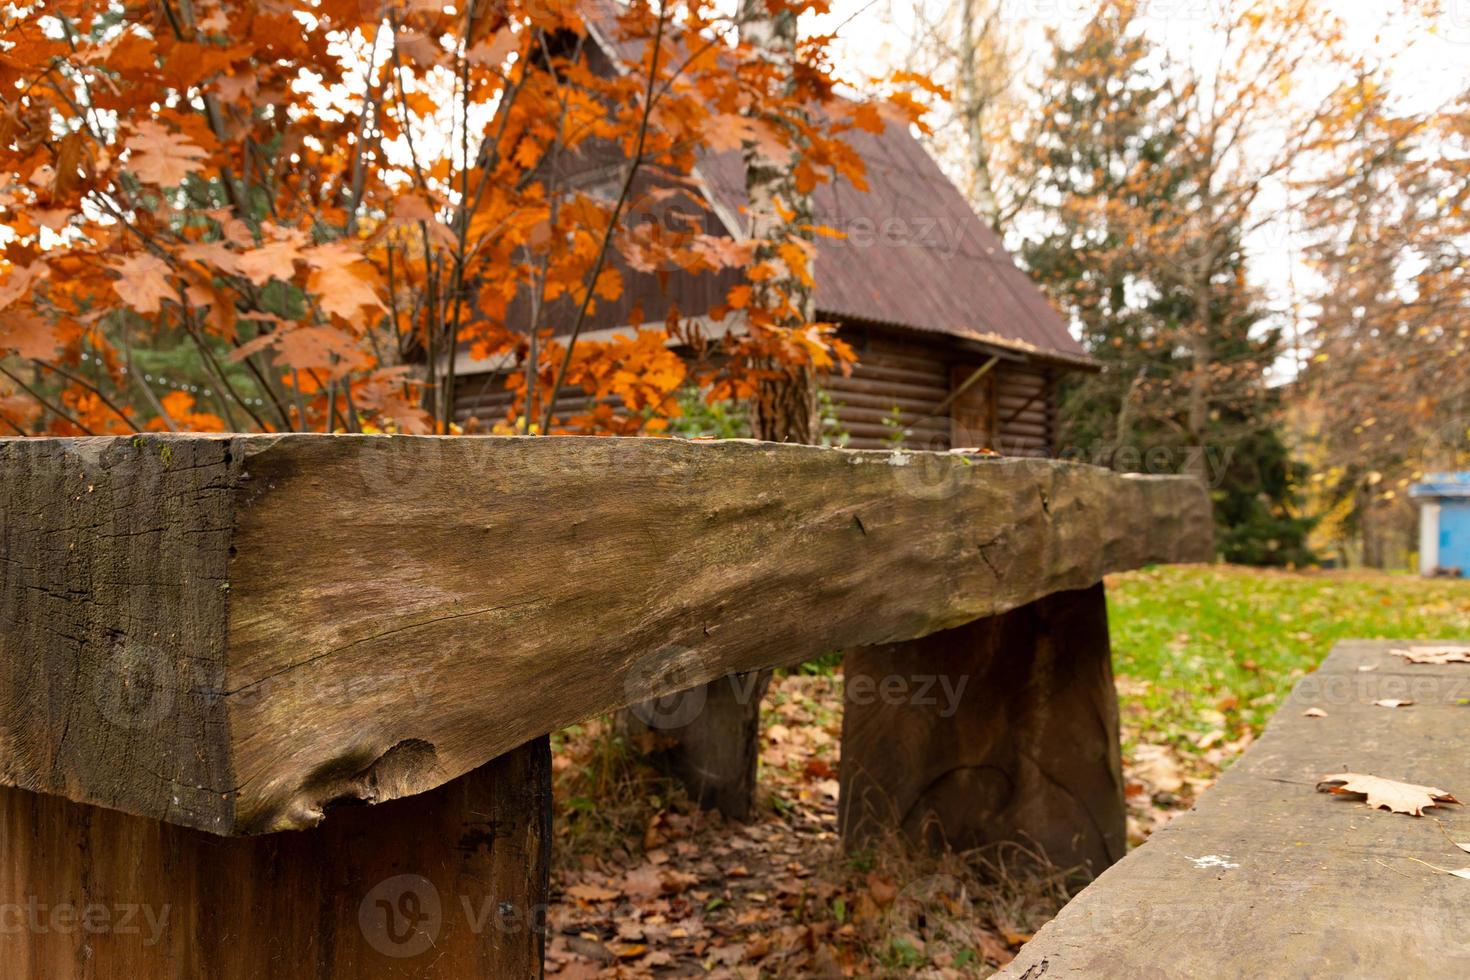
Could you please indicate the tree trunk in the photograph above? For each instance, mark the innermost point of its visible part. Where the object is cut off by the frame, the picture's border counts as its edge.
(784, 408)
(1198, 418)
(972, 108)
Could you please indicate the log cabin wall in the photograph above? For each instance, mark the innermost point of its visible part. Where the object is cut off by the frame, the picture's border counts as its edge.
(1026, 410)
(483, 397)
(897, 378)
(899, 383)
(1011, 408)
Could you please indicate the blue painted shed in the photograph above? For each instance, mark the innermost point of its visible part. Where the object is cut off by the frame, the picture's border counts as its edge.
(1444, 523)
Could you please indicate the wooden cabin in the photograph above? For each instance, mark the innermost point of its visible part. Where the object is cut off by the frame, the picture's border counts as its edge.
(956, 346)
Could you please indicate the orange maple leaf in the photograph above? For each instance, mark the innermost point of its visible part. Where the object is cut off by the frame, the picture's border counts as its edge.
(27, 334)
(143, 282)
(179, 406)
(343, 283)
(18, 282)
(160, 156)
(273, 260)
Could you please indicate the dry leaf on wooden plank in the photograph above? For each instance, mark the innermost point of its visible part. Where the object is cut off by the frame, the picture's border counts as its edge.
(1392, 703)
(1314, 713)
(1436, 655)
(1457, 872)
(1462, 845)
(1387, 794)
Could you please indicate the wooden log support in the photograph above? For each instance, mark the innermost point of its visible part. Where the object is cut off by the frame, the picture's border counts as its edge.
(232, 633)
(712, 739)
(452, 883)
(1004, 729)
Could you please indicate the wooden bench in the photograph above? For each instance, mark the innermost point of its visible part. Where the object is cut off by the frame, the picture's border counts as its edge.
(1267, 877)
(213, 647)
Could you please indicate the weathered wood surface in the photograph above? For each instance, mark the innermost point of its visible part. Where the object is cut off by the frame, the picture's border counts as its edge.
(452, 884)
(1004, 729)
(1269, 878)
(232, 632)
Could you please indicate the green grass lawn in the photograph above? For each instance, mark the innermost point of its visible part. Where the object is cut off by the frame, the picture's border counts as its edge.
(1201, 650)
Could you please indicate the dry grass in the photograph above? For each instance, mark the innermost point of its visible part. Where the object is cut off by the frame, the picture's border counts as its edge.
(606, 792)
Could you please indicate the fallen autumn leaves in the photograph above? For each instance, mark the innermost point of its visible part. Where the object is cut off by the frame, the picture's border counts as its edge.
(664, 890)
(650, 886)
(1387, 794)
(1436, 654)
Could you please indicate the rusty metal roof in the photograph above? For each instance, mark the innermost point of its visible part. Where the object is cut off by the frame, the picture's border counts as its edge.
(915, 254)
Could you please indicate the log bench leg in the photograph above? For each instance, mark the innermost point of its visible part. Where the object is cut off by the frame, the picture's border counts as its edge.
(1005, 729)
(452, 883)
(712, 739)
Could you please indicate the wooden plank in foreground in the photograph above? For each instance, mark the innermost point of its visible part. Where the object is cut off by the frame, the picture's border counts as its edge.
(1266, 877)
(450, 884)
(233, 632)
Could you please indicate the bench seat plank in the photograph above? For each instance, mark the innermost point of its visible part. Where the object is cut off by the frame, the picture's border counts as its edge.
(1267, 877)
(234, 632)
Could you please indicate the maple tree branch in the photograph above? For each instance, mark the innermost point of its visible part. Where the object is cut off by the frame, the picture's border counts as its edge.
(141, 385)
(487, 159)
(265, 382)
(333, 414)
(44, 402)
(543, 262)
(369, 109)
(356, 424)
(461, 225)
(186, 320)
(91, 115)
(90, 387)
(612, 223)
(403, 110)
(246, 291)
(300, 404)
(214, 118)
